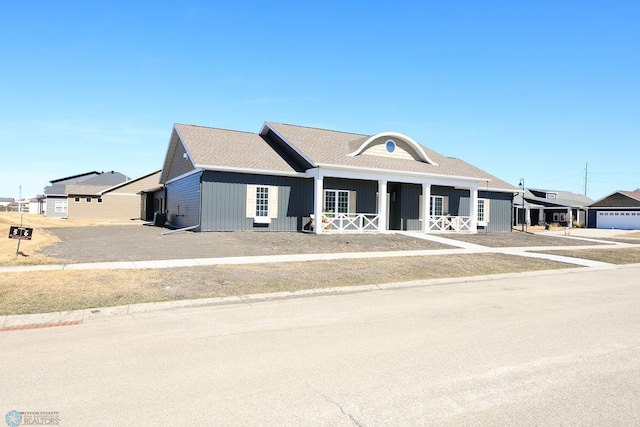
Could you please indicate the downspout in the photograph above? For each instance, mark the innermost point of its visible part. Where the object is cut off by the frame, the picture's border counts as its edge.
(180, 229)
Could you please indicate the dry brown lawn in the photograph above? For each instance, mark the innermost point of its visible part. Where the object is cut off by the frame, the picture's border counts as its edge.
(613, 256)
(41, 292)
(28, 253)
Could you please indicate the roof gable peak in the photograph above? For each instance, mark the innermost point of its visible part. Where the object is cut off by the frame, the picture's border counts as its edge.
(390, 141)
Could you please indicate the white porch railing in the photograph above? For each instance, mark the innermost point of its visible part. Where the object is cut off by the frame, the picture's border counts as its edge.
(454, 224)
(350, 223)
(362, 223)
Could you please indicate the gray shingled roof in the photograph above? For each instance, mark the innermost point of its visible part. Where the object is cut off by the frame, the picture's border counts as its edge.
(106, 178)
(211, 147)
(103, 180)
(563, 198)
(85, 190)
(333, 147)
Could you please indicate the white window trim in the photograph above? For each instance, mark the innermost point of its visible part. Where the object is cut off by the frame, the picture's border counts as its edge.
(252, 192)
(60, 206)
(486, 210)
(88, 199)
(432, 207)
(76, 200)
(336, 193)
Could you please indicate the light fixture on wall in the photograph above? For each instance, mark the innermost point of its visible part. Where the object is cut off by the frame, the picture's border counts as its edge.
(185, 156)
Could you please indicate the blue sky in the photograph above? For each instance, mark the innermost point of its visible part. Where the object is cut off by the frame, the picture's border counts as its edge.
(532, 90)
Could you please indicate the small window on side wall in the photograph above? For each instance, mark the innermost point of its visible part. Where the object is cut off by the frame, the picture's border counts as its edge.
(76, 199)
(87, 199)
(262, 203)
(99, 199)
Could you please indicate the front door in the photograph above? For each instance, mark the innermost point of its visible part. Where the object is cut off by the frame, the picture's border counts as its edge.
(394, 212)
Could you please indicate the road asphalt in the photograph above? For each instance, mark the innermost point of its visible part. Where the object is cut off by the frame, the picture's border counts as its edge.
(527, 350)
(27, 321)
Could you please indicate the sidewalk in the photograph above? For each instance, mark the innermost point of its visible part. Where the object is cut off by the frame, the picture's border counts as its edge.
(33, 321)
(462, 248)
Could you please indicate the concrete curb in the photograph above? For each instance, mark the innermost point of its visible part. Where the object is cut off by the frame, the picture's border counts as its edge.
(66, 318)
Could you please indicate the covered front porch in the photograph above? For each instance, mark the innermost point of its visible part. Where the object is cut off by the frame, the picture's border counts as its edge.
(352, 204)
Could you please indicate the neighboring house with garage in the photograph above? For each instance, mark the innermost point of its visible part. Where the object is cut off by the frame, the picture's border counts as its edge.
(551, 206)
(619, 210)
(285, 177)
(109, 202)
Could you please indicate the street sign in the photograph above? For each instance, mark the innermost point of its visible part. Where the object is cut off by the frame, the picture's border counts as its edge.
(22, 233)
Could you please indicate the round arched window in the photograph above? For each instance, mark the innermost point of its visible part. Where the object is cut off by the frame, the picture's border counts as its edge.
(391, 146)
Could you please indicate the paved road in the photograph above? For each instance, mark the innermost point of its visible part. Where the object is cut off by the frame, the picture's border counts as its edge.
(543, 350)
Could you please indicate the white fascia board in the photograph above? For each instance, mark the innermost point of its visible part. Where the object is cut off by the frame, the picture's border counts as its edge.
(184, 175)
(173, 145)
(122, 184)
(619, 208)
(251, 171)
(400, 176)
(286, 141)
(417, 147)
(498, 190)
(186, 149)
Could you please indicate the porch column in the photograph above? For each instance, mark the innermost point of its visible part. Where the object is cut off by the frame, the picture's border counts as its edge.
(541, 219)
(473, 209)
(426, 207)
(318, 194)
(382, 205)
(569, 217)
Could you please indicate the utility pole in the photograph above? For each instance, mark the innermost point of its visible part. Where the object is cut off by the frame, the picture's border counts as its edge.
(586, 177)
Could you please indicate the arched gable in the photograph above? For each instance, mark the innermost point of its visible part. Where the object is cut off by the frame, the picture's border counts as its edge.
(394, 145)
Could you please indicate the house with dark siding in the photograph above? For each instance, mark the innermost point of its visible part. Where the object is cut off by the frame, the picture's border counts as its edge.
(295, 178)
(542, 206)
(619, 210)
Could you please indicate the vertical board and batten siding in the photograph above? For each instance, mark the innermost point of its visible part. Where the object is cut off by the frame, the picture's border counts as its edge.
(500, 211)
(500, 205)
(224, 202)
(366, 192)
(183, 201)
(410, 207)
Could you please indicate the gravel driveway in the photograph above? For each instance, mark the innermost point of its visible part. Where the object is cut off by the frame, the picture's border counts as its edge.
(141, 242)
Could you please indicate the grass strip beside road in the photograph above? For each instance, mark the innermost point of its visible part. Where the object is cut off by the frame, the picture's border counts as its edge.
(51, 291)
(613, 256)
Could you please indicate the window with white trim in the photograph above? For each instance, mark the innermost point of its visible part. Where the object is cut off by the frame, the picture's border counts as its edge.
(483, 211)
(60, 206)
(99, 199)
(262, 202)
(437, 206)
(87, 199)
(336, 201)
(76, 200)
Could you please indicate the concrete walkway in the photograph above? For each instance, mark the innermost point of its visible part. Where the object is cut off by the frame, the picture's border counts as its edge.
(462, 248)
(31, 321)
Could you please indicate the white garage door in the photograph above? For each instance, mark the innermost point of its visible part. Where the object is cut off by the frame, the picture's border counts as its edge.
(619, 219)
